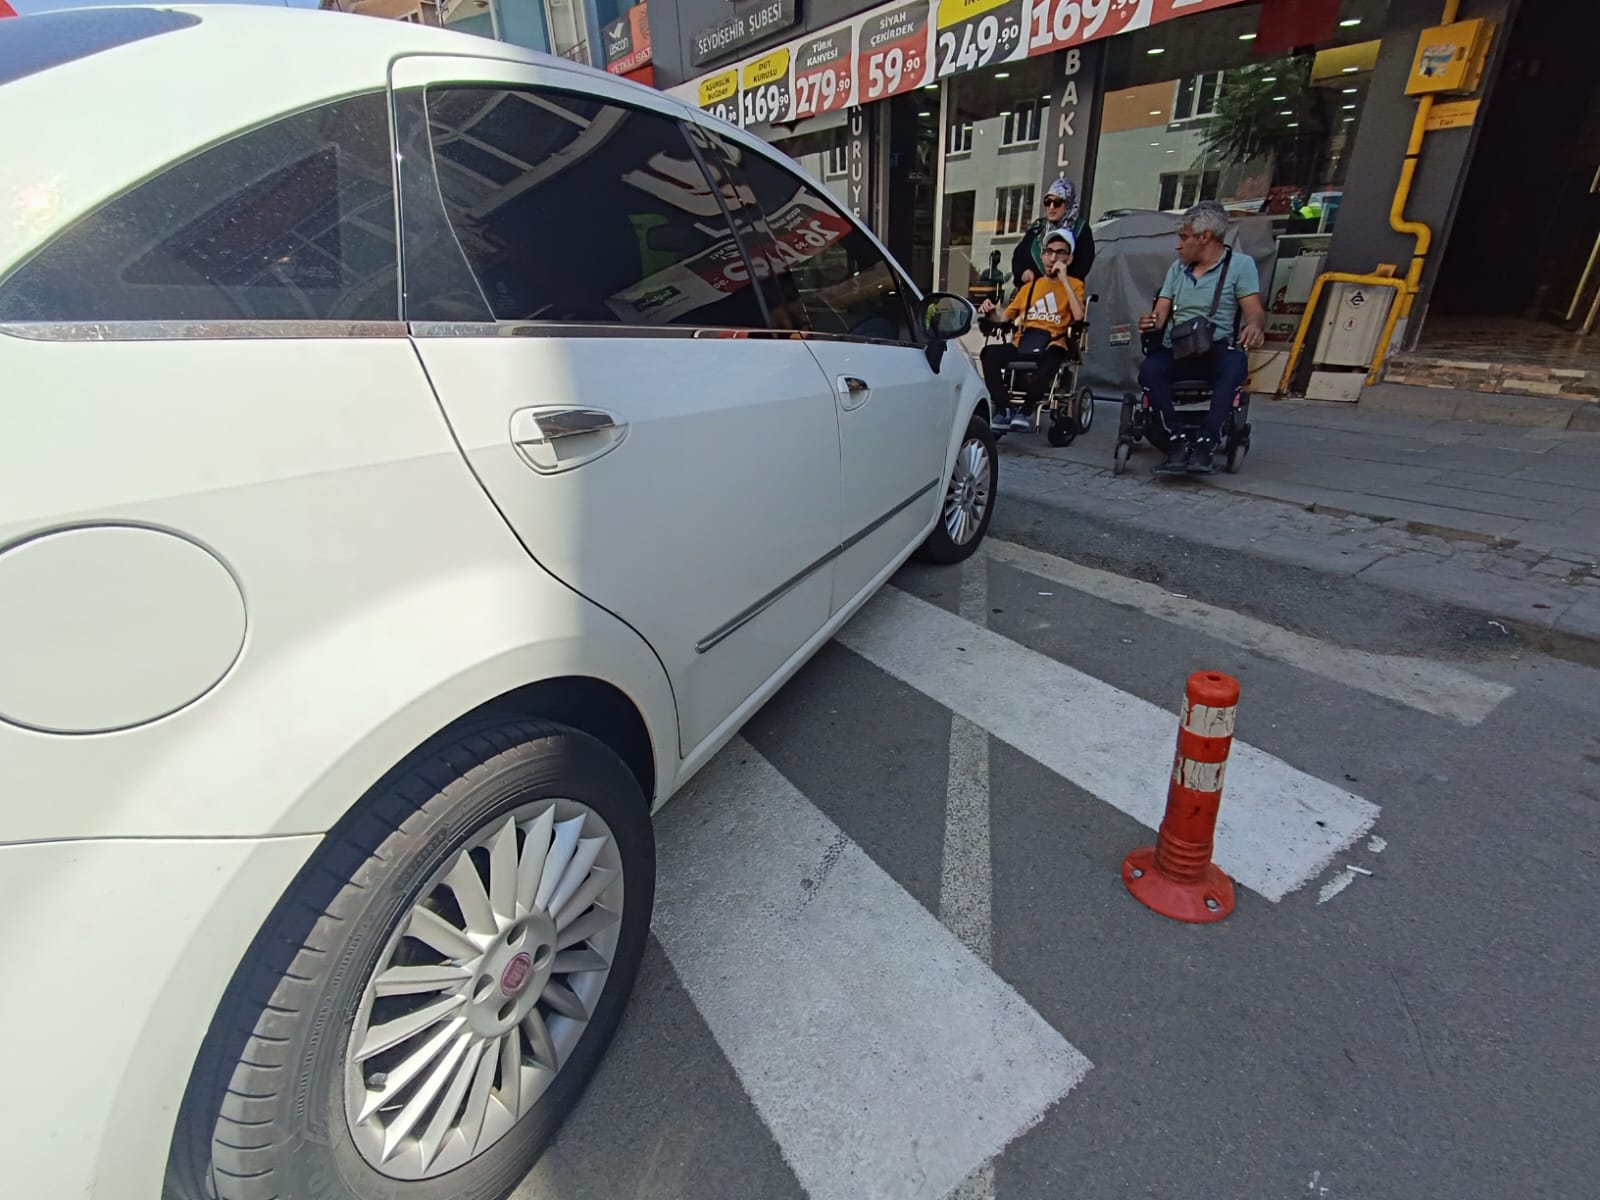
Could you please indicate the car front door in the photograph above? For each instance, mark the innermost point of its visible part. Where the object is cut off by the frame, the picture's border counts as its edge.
(585, 314)
(895, 410)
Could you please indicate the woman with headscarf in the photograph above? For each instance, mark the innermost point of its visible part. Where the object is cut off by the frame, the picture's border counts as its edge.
(1060, 212)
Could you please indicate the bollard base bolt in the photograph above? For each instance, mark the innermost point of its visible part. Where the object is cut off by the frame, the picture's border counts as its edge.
(1206, 899)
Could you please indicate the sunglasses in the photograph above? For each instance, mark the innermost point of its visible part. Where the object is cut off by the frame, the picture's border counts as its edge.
(1054, 202)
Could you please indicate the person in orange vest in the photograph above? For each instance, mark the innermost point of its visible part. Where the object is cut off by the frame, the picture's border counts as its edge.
(1043, 311)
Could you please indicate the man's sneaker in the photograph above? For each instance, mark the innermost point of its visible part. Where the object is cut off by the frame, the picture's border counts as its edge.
(1200, 460)
(1001, 422)
(1176, 460)
(1021, 422)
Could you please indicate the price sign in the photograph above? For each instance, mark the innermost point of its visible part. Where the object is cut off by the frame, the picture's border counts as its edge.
(719, 96)
(765, 84)
(975, 33)
(894, 53)
(1057, 24)
(822, 77)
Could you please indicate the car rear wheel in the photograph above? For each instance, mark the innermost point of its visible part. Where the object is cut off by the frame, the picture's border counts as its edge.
(437, 992)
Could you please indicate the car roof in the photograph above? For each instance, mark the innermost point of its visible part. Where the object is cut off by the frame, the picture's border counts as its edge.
(94, 99)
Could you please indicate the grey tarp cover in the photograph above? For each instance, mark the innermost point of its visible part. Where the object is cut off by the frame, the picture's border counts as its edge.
(1132, 254)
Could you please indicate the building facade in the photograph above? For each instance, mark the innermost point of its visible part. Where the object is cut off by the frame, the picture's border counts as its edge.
(611, 34)
(942, 121)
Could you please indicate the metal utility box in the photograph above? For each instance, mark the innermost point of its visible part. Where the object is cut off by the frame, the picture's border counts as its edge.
(1353, 323)
(1450, 58)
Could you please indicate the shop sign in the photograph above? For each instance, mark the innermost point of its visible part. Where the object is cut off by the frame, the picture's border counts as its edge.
(822, 75)
(906, 44)
(749, 23)
(719, 95)
(627, 41)
(858, 156)
(894, 51)
(765, 94)
(975, 33)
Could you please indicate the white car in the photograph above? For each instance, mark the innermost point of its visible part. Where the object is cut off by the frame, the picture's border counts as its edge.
(419, 457)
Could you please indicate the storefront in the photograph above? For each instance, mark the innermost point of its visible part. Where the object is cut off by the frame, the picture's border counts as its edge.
(967, 108)
(942, 122)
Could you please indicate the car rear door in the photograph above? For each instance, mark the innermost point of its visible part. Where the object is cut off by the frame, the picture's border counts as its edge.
(588, 322)
(895, 410)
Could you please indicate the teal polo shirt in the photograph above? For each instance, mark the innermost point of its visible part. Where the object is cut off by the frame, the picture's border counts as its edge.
(1191, 297)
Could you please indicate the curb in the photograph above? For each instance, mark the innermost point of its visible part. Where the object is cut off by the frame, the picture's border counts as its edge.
(1568, 626)
(1410, 398)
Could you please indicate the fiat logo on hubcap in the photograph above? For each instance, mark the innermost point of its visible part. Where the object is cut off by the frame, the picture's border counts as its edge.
(516, 974)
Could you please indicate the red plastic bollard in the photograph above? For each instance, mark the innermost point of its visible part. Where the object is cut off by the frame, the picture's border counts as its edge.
(1176, 876)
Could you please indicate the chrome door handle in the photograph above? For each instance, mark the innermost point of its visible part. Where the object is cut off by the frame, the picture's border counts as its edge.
(556, 439)
(551, 424)
(853, 392)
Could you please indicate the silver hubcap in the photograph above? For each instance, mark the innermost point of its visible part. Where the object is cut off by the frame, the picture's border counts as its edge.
(968, 496)
(484, 990)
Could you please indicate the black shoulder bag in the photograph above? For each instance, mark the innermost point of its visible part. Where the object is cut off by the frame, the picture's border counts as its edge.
(1194, 337)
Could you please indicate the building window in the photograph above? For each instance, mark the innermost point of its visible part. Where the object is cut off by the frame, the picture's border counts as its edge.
(1197, 96)
(1180, 189)
(1021, 125)
(1013, 209)
(961, 138)
(838, 160)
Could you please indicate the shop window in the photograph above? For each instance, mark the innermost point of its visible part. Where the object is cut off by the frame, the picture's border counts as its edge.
(1197, 96)
(1181, 189)
(290, 221)
(1013, 209)
(960, 138)
(1021, 125)
(520, 171)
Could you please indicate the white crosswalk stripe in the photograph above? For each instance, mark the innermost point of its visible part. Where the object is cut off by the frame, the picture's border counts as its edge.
(1419, 683)
(1279, 826)
(866, 1035)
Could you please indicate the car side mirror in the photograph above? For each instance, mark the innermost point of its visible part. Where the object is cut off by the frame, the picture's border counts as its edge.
(945, 318)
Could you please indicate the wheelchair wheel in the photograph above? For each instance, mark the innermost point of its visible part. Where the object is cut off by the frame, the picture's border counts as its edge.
(1085, 409)
(1119, 457)
(1236, 452)
(1063, 431)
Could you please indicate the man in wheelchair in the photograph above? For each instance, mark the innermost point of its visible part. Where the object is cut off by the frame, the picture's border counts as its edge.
(1206, 290)
(1043, 312)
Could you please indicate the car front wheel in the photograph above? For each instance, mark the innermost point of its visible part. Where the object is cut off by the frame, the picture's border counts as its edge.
(436, 992)
(968, 498)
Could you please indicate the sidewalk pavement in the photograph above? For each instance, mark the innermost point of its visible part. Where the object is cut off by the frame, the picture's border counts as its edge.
(1502, 520)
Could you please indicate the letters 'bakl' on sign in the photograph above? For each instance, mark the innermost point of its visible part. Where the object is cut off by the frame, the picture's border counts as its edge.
(903, 45)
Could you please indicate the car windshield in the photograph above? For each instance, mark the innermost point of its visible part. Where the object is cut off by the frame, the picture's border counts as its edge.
(54, 39)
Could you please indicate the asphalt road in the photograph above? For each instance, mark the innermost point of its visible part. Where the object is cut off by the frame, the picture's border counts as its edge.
(893, 952)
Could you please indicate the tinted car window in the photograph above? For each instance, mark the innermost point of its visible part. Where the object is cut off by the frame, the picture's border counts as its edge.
(574, 210)
(290, 221)
(817, 256)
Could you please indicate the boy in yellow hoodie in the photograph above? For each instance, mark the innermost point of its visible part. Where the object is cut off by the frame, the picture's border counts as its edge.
(1042, 310)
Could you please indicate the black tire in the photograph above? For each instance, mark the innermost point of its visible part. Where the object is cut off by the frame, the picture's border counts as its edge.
(939, 547)
(1236, 453)
(265, 1114)
(1062, 432)
(1084, 409)
(1119, 457)
(1125, 431)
